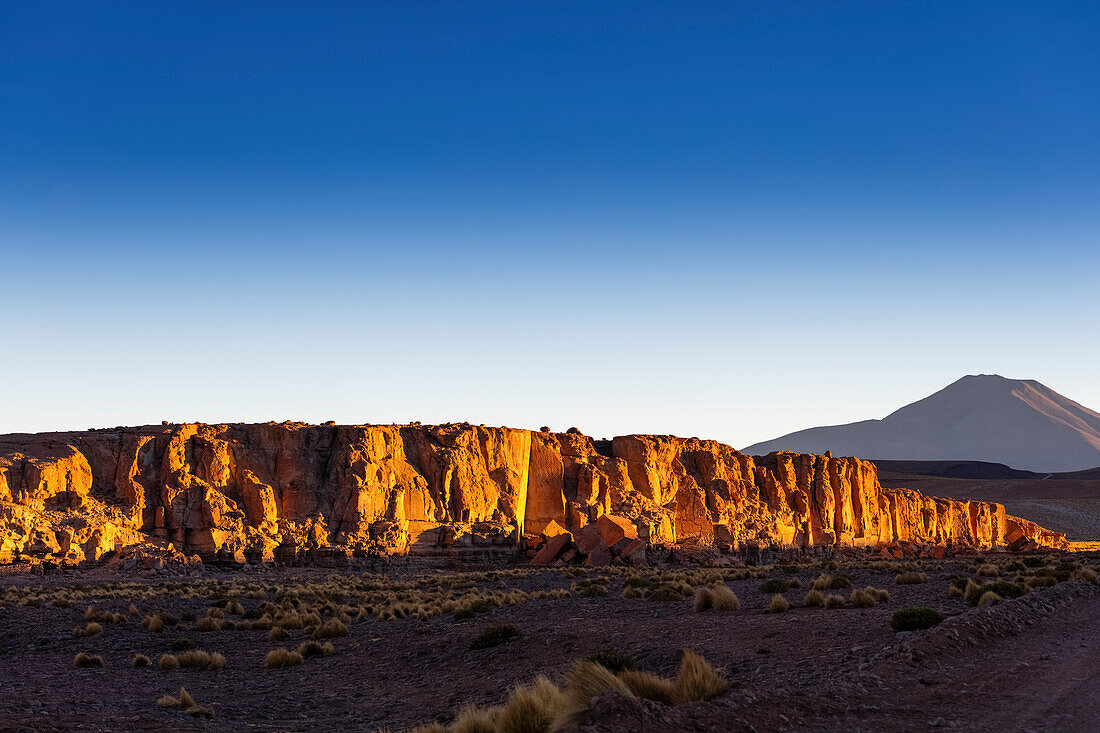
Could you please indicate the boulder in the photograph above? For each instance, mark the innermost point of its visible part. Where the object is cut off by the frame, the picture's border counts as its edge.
(589, 540)
(597, 559)
(614, 528)
(552, 529)
(554, 548)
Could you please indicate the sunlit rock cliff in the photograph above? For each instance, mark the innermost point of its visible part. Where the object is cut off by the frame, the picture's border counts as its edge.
(276, 491)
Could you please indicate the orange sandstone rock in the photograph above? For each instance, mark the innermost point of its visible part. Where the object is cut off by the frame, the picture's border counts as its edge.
(277, 490)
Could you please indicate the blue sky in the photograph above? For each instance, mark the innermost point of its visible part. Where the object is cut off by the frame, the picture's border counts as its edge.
(730, 220)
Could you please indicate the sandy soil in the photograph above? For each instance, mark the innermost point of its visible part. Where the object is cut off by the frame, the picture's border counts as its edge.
(808, 668)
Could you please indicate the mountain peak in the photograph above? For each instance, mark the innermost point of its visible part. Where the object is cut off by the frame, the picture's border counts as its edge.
(1021, 423)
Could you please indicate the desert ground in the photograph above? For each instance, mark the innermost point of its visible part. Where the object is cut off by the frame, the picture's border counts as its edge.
(415, 645)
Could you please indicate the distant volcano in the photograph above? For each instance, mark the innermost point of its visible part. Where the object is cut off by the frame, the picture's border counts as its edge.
(1018, 422)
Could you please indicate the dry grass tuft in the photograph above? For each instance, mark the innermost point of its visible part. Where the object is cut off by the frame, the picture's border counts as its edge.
(704, 600)
(140, 660)
(988, 597)
(208, 623)
(911, 578)
(279, 658)
(475, 720)
(650, 686)
(277, 633)
(1086, 574)
(90, 630)
(530, 709)
(584, 681)
(779, 604)
(315, 649)
(87, 660)
(814, 598)
(185, 704)
(198, 659)
(168, 662)
(332, 629)
(834, 601)
(697, 680)
(725, 599)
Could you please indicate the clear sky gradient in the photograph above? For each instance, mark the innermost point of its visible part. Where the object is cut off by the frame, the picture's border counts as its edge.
(729, 220)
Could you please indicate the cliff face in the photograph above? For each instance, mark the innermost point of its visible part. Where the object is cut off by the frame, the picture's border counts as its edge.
(270, 490)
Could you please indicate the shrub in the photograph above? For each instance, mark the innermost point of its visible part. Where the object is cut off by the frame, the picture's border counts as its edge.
(87, 660)
(277, 633)
(725, 599)
(779, 604)
(988, 597)
(915, 619)
(495, 635)
(332, 629)
(278, 658)
(181, 645)
(774, 585)
(1039, 581)
(840, 581)
(697, 680)
(814, 598)
(911, 578)
(613, 659)
(834, 601)
(955, 591)
(704, 599)
(90, 630)
(140, 660)
(794, 583)
(168, 662)
(154, 622)
(862, 599)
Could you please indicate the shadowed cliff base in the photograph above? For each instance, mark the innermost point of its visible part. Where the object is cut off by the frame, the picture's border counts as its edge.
(282, 491)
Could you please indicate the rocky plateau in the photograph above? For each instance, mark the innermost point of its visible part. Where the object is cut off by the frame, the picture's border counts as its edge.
(294, 492)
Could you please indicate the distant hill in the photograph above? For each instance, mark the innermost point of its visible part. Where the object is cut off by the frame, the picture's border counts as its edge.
(1016, 422)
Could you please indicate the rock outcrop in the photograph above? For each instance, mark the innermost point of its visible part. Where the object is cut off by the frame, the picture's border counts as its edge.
(272, 491)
